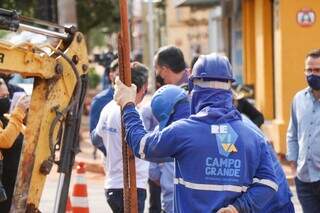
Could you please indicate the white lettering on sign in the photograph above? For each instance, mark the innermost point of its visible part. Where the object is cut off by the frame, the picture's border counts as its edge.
(216, 129)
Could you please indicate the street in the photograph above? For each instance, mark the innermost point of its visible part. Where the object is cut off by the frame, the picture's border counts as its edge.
(97, 200)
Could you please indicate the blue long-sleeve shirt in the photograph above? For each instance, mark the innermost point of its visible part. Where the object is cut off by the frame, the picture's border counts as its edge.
(233, 168)
(303, 136)
(283, 196)
(150, 123)
(163, 172)
(98, 102)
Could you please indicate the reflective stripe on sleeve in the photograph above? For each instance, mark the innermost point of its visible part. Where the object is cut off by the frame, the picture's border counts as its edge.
(266, 182)
(142, 145)
(210, 187)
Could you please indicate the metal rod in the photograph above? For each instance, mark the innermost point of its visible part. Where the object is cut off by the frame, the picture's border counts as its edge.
(130, 199)
(125, 166)
(38, 21)
(43, 31)
(58, 193)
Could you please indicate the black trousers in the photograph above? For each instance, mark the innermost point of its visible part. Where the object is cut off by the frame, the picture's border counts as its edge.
(8, 181)
(155, 197)
(115, 199)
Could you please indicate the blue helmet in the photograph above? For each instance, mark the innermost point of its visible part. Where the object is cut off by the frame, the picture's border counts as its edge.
(211, 67)
(164, 101)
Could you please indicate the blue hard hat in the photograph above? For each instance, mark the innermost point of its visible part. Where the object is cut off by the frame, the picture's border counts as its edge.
(212, 67)
(164, 101)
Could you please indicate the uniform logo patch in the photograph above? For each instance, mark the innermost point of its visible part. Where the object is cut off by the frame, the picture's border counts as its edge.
(226, 138)
(109, 129)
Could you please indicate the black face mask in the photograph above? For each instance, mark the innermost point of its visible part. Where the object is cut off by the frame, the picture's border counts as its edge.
(4, 105)
(314, 82)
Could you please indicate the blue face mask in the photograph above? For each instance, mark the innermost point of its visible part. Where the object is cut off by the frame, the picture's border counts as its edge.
(314, 81)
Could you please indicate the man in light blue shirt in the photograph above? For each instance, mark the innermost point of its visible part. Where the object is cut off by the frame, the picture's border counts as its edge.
(303, 137)
(150, 122)
(169, 103)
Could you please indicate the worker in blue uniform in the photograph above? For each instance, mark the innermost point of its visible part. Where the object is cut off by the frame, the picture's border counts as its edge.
(221, 164)
(164, 108)
(281, 202)
(169, 104)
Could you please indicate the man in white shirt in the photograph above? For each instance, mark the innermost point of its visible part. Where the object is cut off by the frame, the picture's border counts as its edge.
(109, 130)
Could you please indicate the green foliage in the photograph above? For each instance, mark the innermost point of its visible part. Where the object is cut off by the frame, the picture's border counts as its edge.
(94, 78)
(98, 14)
(3, 33)
(96, 37)
(23, 7)
(103, 14)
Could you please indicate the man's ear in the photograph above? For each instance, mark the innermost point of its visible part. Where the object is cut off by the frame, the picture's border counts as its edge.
(145, 88)
(165, 68)
(165, 71)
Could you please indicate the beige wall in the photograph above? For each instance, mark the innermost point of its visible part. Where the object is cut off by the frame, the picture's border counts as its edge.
(186, 28)
(290, 45)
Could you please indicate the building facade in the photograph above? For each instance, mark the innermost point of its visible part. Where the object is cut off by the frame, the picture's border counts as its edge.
(267, 42)
(187, 28)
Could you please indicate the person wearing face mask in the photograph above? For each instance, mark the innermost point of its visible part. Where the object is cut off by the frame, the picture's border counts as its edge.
(303, 135)
(9, 131)
(221, 164)
(11, 87)
(170, 66)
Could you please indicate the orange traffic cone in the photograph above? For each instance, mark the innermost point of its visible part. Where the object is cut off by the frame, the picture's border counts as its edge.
(68, 206)
(80, 195)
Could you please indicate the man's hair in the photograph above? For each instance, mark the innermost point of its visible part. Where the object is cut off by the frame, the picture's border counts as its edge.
(314, 53)
(139, 74)
(114, 65)
(171, 57)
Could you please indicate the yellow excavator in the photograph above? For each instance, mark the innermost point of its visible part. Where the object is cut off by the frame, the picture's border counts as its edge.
(52, 127)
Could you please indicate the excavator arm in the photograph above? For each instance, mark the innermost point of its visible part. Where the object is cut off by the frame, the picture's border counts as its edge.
(51, 134)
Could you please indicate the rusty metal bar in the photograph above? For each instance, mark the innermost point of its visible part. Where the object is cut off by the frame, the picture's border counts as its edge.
(126, 194)
(129, 169)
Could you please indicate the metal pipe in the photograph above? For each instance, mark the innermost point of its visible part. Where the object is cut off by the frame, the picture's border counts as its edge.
(129, 168)
(43, 31)
(41, 22)
(58, 193)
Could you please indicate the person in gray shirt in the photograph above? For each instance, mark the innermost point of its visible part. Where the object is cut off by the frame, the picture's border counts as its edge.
(303, 137)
